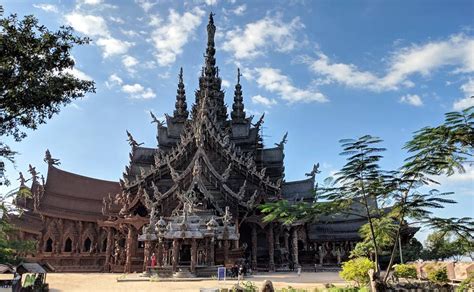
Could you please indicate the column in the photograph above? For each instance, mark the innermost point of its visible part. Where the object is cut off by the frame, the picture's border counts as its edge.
(271, 247)
(146, 255)
(211, 252)
(226, 251)
(286, 243)
(295, 248)
(160, 254)
(193, 255)
(277, 239)
(254, 246)
(108, 249)
(130, 245)
(175, 253)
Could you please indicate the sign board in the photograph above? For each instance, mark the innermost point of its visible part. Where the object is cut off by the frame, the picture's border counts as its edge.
(221, 273)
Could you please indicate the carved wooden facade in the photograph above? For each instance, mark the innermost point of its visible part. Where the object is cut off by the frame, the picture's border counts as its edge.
(205, 161)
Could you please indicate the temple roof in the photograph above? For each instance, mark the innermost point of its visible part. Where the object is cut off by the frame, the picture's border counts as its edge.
(297, 190)
(74, 196)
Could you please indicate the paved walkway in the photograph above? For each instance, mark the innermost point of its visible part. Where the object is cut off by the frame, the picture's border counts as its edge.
(108, 282)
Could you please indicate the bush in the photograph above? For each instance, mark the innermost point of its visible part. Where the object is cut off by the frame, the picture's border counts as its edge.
(466, 284)
(357, 270)
(439, 276)
(405, 271)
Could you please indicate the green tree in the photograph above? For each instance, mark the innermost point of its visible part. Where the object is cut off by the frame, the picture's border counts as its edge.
(357, 270)
(35, 76)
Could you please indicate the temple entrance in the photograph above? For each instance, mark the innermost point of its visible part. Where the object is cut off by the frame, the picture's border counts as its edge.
(185, 255)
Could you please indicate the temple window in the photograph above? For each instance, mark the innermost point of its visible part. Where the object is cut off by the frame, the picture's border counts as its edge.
(49, 245)
(68, 245)
(104, 245)
(141, 244)
(87, 244)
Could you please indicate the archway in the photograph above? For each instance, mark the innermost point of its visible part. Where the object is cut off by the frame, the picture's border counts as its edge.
(49, 245)
(68, 245)
(87, 244)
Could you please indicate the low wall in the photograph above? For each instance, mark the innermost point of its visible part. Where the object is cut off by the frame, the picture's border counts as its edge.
(457, 271)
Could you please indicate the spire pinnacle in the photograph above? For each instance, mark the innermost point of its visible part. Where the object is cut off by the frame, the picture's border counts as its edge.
(210, 69)
(181, 105)
(238, 113)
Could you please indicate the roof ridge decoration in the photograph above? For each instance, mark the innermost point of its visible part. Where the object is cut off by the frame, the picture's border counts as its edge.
(49, 159)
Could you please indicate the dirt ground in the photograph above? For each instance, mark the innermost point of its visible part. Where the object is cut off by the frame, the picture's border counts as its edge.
(108, 282)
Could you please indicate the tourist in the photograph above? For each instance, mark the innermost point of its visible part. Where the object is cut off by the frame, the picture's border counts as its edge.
(153, 260)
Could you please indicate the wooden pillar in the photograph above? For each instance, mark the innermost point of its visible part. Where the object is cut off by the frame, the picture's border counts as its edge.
(175, 253)
(130, 245)
(160, 254)
(108, 249)
(271, 247)
(295, 248)
(193, 255)
(226, 251)
(286, 243)
(254, 246)
(212, 252)
(146, 255)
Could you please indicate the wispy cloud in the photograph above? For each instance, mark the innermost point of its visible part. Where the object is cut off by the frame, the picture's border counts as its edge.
(274, 81)
(169, 38)
(146, 5)
(265, 101)
(240, 10)
(129, 62)
(137, 91)
(47, 7)
(96, 26)
(468, 101)
(257, 37)
(423, 59)
(113, 80)
(411, 99)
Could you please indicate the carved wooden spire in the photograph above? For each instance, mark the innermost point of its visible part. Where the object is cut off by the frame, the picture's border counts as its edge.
(181, 110)
(238, 113)
(210, 70)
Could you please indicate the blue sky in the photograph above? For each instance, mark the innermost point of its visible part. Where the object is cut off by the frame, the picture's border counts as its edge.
(321, 70)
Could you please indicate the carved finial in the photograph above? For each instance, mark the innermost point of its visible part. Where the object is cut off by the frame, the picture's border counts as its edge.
(33, 172)
(181, 105)
(260, 121)
(132, 141)
(314, 171)
(238, 113)
(21, 179)
(283, 141)
(49, 159)
(156, 121)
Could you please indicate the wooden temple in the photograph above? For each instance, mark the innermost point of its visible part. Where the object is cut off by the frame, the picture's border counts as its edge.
(192, 200)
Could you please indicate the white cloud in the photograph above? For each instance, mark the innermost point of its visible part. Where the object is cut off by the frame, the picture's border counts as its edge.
(89, 25)
(170, 38)
(114, 80)
(468, 101)
(117, 20)
(112, 46)
(269, 32)
(458, 178)
(129, 33)
(412, 99)
(239, 10)
(92, 2)
(78, 74)
(463, 103)
(146, 5)
(137, 91)
(47, 7)
(210, 2)
(258, 99)
(423, 59)
(272, 80)
(129, 62)
(225, 83)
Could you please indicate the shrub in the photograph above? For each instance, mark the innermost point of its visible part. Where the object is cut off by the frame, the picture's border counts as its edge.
(466, 284)
(357, 270)
(439, 276)
(405, 271)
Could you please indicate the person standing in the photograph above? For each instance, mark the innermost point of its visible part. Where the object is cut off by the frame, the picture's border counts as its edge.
(153, 260)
